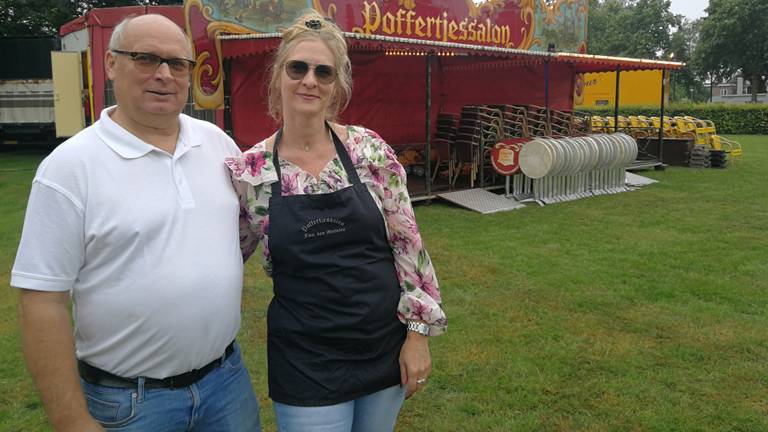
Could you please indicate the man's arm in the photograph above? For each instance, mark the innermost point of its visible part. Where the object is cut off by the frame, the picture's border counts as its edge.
(49, 350)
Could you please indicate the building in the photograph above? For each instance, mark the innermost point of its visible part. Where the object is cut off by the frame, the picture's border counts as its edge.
(737, 90)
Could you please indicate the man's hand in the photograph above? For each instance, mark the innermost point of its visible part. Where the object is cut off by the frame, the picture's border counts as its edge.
(49, 350)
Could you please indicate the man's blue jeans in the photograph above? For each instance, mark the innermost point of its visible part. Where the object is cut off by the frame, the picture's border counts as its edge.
(222, 401)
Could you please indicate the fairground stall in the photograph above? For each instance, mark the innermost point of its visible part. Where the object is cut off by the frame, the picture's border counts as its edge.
(443, 82)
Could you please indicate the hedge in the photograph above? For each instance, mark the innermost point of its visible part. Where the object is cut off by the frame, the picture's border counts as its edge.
(746, 119)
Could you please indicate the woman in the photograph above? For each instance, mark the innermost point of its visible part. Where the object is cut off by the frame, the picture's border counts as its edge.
(355, 294)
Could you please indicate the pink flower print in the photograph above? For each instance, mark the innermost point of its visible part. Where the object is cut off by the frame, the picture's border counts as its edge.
(264, 228)
(373, 135)
(427, 284)
(236, 165)
(396, 168)
(354, 154)
(376, 176)
(408, 220)
(290, 183)
(254, 162)
(309, 188)
(335, 182)
(419, 311)
(245, 215)
(399, 243)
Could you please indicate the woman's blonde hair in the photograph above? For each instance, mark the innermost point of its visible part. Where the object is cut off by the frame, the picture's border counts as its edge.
(312, 26)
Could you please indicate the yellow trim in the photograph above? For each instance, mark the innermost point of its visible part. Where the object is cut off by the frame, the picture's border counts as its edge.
(89, 76)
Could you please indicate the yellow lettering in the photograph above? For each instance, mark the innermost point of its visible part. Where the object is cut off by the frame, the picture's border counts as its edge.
(419, 26)
(400, 21)
(440, 27)
(430, 24)
(496, 35)
(408, 20)
(445, 26)
(482, 35)
(388, 24)
(370, 11)
(463, 29)
(452, 27)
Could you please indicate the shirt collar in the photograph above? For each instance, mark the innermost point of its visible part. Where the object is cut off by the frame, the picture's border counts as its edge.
(129, 145)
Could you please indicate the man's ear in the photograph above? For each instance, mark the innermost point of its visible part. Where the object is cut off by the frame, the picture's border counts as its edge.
(109, 64)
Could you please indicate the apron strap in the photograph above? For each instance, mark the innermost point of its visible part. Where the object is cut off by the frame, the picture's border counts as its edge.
(346, 161)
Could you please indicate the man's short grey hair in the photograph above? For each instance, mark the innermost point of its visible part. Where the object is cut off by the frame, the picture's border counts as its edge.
(116, 40)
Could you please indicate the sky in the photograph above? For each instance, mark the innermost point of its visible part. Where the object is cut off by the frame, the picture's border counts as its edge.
(690, 9)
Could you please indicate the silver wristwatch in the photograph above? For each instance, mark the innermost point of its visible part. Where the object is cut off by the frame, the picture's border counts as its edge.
(418, 327)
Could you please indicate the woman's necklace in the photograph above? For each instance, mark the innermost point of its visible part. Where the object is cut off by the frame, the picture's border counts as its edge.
(307, 147)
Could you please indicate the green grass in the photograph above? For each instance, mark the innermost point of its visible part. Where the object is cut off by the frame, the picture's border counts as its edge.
(642, 311)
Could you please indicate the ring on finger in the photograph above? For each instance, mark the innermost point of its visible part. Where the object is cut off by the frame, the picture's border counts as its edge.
(421, 381)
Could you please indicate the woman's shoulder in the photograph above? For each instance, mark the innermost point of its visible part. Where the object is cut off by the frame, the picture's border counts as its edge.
(362, 134)
(369, 149)
(255, 165)
(364, 141)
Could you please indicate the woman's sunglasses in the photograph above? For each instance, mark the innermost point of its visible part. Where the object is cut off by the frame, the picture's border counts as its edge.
(297, 69)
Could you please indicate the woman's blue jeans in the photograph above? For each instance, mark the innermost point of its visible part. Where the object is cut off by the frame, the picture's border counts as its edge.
(376, 412)
(222, 401)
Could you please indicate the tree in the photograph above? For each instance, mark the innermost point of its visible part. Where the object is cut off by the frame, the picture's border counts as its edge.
(733, 40)
(630, 28)
(44, 17)
(685, 82)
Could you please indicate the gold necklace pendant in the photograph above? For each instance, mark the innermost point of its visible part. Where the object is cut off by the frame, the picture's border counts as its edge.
(306, 147)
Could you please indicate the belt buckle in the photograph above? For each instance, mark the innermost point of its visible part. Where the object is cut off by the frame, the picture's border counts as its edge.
(171, 381)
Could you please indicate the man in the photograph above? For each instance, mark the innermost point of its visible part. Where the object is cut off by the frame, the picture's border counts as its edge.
(136, 219)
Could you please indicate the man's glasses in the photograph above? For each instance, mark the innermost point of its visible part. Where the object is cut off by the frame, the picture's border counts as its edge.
(148, 63)
(297, 69)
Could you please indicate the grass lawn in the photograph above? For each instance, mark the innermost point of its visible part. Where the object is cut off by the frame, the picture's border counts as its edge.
(642, 311)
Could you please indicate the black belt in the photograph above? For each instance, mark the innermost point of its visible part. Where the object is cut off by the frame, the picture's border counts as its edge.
(97, 376)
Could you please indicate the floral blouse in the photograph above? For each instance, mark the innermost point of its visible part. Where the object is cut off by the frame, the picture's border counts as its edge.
(379, 170)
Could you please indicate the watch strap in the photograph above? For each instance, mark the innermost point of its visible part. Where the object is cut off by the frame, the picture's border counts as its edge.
(418, 327)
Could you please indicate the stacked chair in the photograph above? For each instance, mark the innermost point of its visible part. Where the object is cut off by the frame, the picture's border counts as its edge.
(582, 123)
(706, 134)
(718, 158)
(640, 127)
(561, 123)
(463, 142)
(443, 145)
(538, 121)
(515, 120)
(701, 132)
(480, 128)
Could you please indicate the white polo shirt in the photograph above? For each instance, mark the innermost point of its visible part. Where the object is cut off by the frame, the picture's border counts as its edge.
(147, 244)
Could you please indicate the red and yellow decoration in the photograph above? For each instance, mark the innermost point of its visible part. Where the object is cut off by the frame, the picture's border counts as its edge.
(501, 23)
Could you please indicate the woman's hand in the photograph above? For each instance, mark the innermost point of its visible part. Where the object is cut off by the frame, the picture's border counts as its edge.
(415, 363)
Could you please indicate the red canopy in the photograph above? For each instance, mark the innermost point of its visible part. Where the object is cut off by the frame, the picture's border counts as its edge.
(389, 76)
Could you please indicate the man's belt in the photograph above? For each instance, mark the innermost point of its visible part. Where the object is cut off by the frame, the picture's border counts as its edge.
(97, 376)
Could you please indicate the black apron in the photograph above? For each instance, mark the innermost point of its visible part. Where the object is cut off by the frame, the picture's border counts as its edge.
(333, 330)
